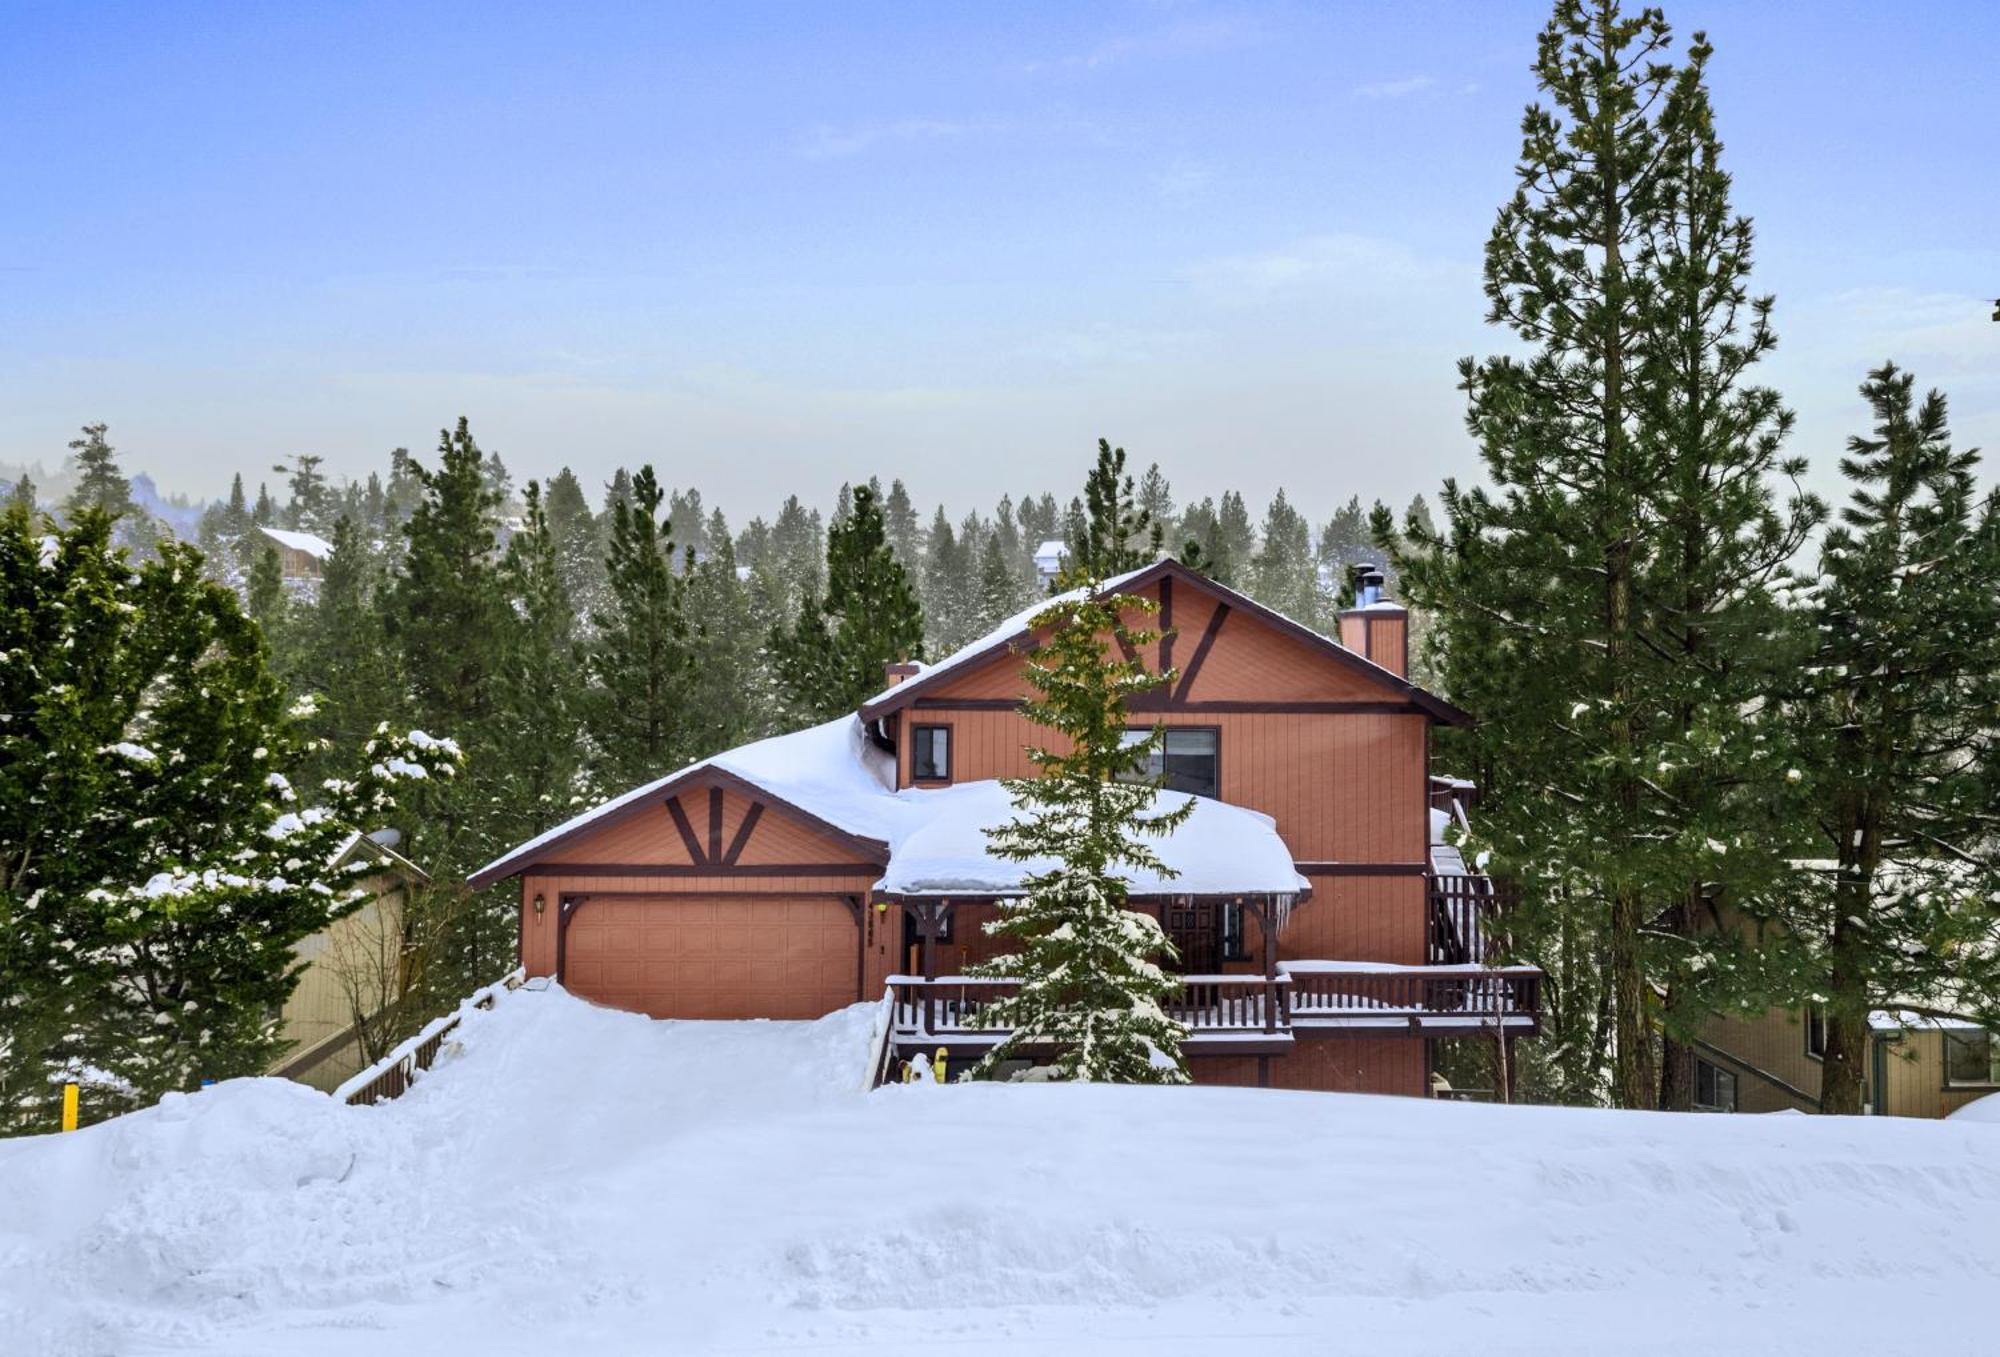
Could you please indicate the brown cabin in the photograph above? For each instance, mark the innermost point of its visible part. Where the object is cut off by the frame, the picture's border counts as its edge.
(1327, 942)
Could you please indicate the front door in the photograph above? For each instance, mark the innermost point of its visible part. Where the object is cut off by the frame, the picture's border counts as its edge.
(1195, 927)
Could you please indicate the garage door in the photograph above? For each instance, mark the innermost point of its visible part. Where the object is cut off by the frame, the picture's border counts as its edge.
(714, 956)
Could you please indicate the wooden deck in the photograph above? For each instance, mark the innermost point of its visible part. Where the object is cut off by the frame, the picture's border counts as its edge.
(1250, 1014)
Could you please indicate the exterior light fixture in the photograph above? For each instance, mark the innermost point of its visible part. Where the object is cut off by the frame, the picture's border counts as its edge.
(540, 905)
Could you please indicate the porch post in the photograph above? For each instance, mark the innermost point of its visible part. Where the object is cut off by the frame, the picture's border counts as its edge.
(1263, 917)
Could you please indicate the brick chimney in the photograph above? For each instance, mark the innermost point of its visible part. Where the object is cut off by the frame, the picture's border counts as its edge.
(1375, 627)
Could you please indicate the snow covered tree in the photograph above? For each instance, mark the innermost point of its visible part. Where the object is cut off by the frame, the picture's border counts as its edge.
(732, 699)
(1899, 720)
(1002, 590)
(156, 866)
(830, 659)
(1090, 984)
(100, 485)
(641, 657)
(579, 553)
(340, 656)
(310, 508)
(1284, 575)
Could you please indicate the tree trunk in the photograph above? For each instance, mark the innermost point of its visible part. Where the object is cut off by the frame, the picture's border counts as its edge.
(1676, 1071)
(1634, 1083)
(1845, 1065)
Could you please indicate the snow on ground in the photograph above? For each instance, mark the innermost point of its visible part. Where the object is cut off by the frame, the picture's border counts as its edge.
(582, 1177)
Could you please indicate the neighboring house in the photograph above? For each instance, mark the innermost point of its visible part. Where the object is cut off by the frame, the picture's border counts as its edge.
(1922, 1067)
(301, 556)
(1322, 945)
(1049, 557)
(341, 1016)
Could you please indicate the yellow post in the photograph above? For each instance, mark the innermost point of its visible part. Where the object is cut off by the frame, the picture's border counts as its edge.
(69, 1107)
(937, 1066)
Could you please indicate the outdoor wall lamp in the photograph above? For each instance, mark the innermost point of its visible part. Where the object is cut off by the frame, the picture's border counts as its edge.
(540, 905)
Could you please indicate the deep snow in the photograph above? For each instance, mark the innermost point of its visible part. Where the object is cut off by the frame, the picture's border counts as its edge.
(582, 1177)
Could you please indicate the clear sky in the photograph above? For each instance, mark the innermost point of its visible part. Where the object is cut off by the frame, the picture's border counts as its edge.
(769, 247)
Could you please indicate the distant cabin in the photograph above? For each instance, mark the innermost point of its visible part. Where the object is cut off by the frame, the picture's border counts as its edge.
(301, 556)
(343, 1014)
(1049, 560)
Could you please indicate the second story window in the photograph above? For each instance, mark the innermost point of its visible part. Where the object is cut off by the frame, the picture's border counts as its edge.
(930, 754)
(1190, 761)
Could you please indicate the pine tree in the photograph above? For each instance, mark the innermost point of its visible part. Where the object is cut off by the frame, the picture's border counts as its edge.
(1536, 588)
(947, 597)
(831, 658)
(1002, 591)
(539, 774)
(1115, 534)
(310, 508)
(1089, 982)
(899, 521)
(732, 700)
(268, 604)
(343, 660)
(1897, 721)
(100, 485)
(579, 554)
(1284, 575)
(1156, 501)
(641, 657)
(156, 866)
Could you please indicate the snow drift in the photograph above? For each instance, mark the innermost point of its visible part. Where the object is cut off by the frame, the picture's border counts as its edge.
(580, 1177)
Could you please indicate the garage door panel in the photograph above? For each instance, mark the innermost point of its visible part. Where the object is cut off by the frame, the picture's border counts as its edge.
(714, 957)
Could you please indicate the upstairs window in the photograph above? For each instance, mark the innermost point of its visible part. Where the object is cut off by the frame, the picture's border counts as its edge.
(1971, 1059)
(930, 754)
(1190, 761)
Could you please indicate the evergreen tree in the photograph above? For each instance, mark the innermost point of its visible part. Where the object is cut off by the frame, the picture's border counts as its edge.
(831, 658)
(1607, 609)
(642, 656)
(1089, 982)
(100, 485)
(156, 866)
(539, 773)
(948, 586)
(1156, 501)
(1002, 591)
(265, 515)
(267, 603)
(311, 504)
(1116, 534)
(899, 521)
(579, 555)
(1285, 575)
(732, 697)
(445, 616)
(21, 495)
(1897, 720)
(343, 660)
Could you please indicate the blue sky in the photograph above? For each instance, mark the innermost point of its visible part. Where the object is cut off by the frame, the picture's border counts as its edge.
(769, 247)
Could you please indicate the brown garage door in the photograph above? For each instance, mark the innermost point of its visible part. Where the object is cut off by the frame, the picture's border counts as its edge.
(707, 956)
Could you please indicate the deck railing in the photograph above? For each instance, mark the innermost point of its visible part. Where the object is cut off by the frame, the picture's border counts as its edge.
(945, 1007)
(1474, 994)
(392, 1075)
(1465, 912)
(1305, 993)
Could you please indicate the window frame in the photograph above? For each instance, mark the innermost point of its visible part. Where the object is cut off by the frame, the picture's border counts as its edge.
(916, 736)
(1992, 1041)
(1815, 1024)
(1716, 1074)
(1173, 726)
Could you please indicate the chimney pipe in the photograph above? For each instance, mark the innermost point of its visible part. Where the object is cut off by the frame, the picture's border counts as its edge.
(1376, 627)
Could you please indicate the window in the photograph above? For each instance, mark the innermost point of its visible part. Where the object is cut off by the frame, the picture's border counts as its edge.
(1190, 761)
(1232, 932)
(1714, 1088)
(1971, 1059)
(1815, 1031)
(930, 754)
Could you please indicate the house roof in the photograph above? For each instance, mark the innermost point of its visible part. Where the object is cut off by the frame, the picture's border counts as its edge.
(316, 547)
(932, 841)
(358, 844)
(1015, 633)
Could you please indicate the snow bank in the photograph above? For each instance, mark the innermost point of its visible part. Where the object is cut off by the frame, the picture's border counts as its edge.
(583, 1180)
(1985, 1109)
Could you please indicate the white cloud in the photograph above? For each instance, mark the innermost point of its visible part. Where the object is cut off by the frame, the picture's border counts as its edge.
(1187, 38)
(1395, 89)
(827, 142)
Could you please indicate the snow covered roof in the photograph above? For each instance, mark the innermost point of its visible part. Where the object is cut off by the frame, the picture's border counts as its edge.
(1050, 553)
(933, 840)
(316, 547)
(1220, 849)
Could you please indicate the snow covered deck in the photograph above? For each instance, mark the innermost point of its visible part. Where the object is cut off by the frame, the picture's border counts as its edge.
(1253, 1014)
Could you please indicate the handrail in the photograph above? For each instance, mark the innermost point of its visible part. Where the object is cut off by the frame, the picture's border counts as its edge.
(392, 1075)
(883, 1054)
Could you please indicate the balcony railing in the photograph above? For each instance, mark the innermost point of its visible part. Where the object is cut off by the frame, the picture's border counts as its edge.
(1305, 995)
(1465, 913)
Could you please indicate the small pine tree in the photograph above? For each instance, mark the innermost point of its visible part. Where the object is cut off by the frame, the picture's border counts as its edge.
(1116, 534)
(100, 485)
(1089, 983)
